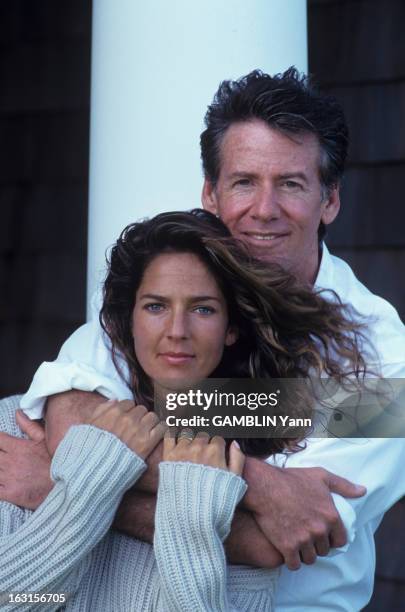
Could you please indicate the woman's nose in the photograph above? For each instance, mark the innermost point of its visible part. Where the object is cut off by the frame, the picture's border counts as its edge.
(178, 326)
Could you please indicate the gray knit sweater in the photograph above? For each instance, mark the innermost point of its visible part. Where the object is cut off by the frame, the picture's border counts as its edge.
(66, 546)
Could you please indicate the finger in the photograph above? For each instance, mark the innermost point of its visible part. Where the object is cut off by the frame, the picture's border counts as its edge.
(216, 450)
(217, 441)
(322, 546)
(337, 535)
(236, 459)
(202, 437)
(308, 554)
(344, 487)
(169, 442)
(185, 437)
(34, 431)
(139, 413)
(159, 430)
(149, 420)
(126, 405)
(293, 560)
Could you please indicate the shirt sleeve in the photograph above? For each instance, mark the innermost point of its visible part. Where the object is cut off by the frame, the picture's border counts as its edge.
(195, 508)
(47, 552)
(84, 362)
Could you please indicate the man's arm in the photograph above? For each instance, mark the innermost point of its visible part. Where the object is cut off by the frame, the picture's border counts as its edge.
(246, 544)
(294, 508)
(66, 409)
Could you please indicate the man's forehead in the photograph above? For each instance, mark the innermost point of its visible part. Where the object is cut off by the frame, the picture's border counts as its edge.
(253, 140)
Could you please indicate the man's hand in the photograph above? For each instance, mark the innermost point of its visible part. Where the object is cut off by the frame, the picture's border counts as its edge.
(25, 465)
(295, 510)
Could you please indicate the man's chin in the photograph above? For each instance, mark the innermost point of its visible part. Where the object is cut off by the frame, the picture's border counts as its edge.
(270, 255)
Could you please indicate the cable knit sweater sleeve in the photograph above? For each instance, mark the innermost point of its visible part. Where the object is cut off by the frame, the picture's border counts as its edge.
(47, 552)
(194, 513)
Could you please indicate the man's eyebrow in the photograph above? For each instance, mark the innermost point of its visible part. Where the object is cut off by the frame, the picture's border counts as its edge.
(293, 175)
(242, 174)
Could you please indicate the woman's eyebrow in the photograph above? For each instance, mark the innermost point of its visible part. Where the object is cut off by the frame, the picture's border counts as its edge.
(193, 298)
(153, 296)
(203, 298)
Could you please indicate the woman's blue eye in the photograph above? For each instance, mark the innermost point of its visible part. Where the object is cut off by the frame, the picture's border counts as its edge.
(205, 310)
(154, 307)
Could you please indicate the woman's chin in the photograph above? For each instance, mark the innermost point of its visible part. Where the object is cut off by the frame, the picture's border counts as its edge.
(176, 383)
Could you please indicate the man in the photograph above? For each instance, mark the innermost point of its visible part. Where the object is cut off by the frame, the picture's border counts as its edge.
(273, 155)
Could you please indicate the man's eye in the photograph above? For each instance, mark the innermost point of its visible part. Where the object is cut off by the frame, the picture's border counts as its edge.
(205, 310)
(244, 182)
(292, 185)
(155, 307)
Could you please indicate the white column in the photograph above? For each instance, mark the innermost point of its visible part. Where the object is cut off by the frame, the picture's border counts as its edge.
(155, 67)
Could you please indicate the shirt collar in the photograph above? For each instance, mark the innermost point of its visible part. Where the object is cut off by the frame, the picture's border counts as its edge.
(324, 278)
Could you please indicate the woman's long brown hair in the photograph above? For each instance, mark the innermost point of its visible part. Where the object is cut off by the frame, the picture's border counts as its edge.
(286, 330)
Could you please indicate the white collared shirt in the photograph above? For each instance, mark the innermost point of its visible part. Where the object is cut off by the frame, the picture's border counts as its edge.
(342, 581)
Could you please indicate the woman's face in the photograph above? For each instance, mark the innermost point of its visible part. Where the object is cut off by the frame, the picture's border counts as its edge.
(180, 321)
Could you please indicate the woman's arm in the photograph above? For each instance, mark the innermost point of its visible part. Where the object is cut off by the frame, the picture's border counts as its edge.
(92, 468)
(47, 553)
(195, 508)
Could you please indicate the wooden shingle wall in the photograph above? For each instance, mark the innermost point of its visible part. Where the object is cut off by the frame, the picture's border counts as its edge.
(357, 53)
(44, 125)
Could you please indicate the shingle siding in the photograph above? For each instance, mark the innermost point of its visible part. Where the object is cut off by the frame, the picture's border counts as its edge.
(44, 135)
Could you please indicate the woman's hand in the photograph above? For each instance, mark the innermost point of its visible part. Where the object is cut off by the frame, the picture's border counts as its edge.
(203, 450)
(139, 429)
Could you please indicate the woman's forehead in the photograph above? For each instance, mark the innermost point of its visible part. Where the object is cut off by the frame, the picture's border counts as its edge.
(182, 272)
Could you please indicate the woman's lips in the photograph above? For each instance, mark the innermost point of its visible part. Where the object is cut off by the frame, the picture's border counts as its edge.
(176, 358)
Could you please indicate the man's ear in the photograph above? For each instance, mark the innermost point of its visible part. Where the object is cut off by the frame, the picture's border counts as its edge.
(331, 206)
(209, 198)
(232, 335)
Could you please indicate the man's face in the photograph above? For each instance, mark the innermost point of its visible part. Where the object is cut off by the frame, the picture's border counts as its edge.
(269, 195)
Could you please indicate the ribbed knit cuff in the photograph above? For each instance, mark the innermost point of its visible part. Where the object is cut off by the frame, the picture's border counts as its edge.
(88, 450)
(199, 493)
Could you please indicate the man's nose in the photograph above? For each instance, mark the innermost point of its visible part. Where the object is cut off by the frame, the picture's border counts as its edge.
(266, 206)
(177, 325)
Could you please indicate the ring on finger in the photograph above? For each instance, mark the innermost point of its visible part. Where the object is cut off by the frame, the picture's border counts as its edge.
(186, 434)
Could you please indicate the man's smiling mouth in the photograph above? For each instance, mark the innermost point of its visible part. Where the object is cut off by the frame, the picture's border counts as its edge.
(265, 236)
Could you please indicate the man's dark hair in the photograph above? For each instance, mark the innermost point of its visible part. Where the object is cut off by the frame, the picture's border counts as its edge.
(286, 102)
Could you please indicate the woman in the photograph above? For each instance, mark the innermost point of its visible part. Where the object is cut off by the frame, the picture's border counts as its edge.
(182, 301)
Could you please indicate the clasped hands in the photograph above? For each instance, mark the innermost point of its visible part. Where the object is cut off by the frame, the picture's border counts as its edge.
(142, 431)
(24, 463)
(290, 512)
